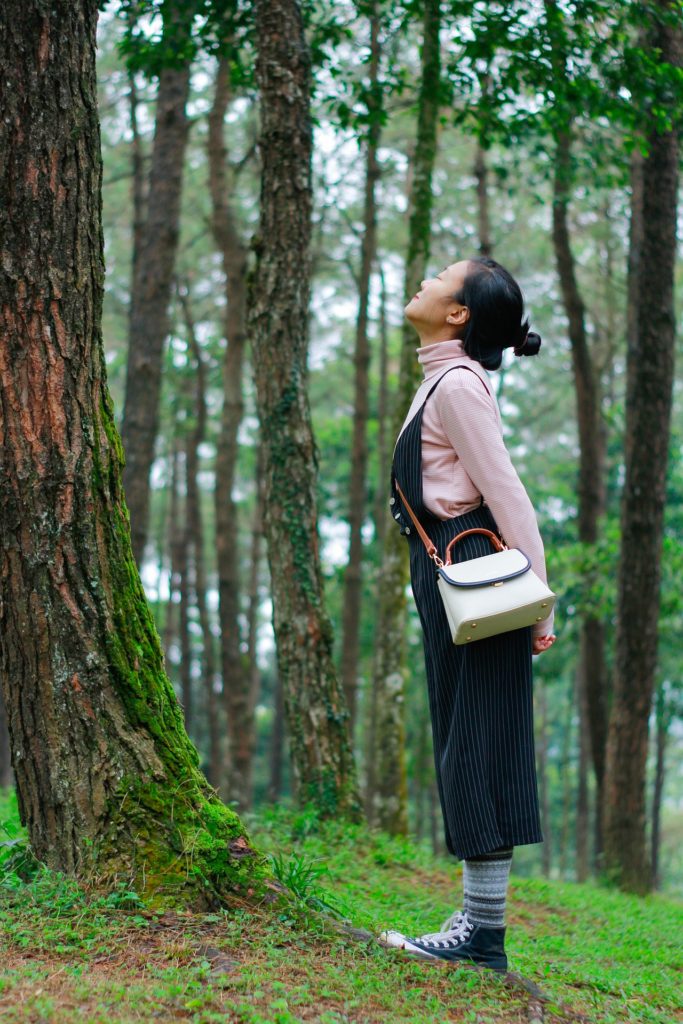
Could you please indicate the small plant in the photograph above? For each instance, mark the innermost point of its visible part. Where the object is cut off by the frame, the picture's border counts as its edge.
(122, 896)
(300, 875)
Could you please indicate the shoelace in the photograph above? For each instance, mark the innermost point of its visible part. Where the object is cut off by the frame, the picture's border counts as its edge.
(460, 933)
(451, 923)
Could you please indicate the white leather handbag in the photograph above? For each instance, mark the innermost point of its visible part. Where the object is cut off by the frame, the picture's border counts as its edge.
(487, 595)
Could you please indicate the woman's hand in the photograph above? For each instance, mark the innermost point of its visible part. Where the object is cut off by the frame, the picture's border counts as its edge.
(542, 643)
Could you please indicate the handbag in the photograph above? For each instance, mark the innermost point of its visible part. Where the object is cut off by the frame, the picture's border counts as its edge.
(490, 594)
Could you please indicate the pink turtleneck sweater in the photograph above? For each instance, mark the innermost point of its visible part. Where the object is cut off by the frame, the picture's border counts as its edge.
(464, 455)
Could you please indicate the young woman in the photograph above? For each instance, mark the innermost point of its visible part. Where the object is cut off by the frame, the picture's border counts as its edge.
(455, 472)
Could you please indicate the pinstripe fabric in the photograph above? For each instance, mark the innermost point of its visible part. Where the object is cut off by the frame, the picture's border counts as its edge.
(480, 694)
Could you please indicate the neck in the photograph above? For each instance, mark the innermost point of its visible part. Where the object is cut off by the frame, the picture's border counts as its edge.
(433, 335)
(438, 354)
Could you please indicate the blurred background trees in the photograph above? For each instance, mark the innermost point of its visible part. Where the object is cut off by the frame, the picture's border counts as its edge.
(545, 134)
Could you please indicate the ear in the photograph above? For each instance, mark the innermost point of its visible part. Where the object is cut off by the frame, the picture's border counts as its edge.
(458, 316)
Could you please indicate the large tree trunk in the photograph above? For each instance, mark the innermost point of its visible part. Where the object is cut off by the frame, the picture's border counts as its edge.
(235, 667)
(151, 296)
(389, 809)
(353, 575)
(322, 758)
(107, 779)
(649, 369)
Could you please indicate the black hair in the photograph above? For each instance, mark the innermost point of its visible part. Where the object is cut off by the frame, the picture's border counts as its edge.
(496, 307)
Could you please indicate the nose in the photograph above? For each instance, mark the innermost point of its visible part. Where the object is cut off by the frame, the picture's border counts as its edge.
(422, 284)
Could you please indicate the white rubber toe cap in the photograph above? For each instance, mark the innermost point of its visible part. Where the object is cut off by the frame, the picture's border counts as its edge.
(397, 940)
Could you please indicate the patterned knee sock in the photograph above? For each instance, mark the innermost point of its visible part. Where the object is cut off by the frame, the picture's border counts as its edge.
(485, 881)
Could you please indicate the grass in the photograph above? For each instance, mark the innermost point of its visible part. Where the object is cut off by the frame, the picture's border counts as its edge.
(597, 955)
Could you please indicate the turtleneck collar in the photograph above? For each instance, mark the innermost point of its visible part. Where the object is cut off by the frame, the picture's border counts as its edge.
(434, 357)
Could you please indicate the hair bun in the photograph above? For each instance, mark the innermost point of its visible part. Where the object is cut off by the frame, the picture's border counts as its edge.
(530, 345)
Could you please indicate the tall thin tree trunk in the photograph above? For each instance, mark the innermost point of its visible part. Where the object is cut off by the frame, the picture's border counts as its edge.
(235, 668)
(185, 590)
(546, 851)
(151, 296)
(481, 174)
(650, 371)
(107, 779)
(389, 798)
(277, 741)
(138, 181)
(565, 771)
(245, 750)
(582, 799)
(380, 515)
(322, 757)
(353, 575)
(380, 512)
(593, 683)
(5, 755)
(195, 530)
(663, 720)
(174, 525)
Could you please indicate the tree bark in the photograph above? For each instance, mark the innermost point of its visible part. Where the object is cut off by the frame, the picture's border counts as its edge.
(195, 532)
(546, 850)
(277, 742)
(107, 779)
(649, 369)
(151, 296)
(322, 758)
(380, 512)
(248, 740)
(5, 755)
(593, 684)
(138, 191)
(663, 720)
(353, 575)
(566, 776)
(582, 795)
(481, 174)
(235, 667)
(389, 809)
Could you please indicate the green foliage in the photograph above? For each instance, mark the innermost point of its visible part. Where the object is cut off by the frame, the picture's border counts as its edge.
(301, 874)
(605, 956)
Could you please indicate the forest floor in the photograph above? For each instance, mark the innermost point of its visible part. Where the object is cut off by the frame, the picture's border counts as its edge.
(578, 953)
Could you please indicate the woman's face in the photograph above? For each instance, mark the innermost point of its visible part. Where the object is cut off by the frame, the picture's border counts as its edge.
(434, 306)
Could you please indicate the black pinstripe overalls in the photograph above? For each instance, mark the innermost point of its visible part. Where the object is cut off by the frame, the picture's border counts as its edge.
(480, 694)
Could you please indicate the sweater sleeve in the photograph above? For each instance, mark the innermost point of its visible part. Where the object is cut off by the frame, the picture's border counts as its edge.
(468, 416)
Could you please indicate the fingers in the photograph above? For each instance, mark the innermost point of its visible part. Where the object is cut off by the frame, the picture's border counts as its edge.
(542, 643)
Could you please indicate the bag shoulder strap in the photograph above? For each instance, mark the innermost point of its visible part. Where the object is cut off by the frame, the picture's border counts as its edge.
(431, 548)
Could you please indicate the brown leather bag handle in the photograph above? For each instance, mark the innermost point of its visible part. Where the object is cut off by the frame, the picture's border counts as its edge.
(431, 549)
(495, 541)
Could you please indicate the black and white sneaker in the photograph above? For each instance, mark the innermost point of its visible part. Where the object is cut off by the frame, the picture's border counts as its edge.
(397, 940)
(466, 941)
